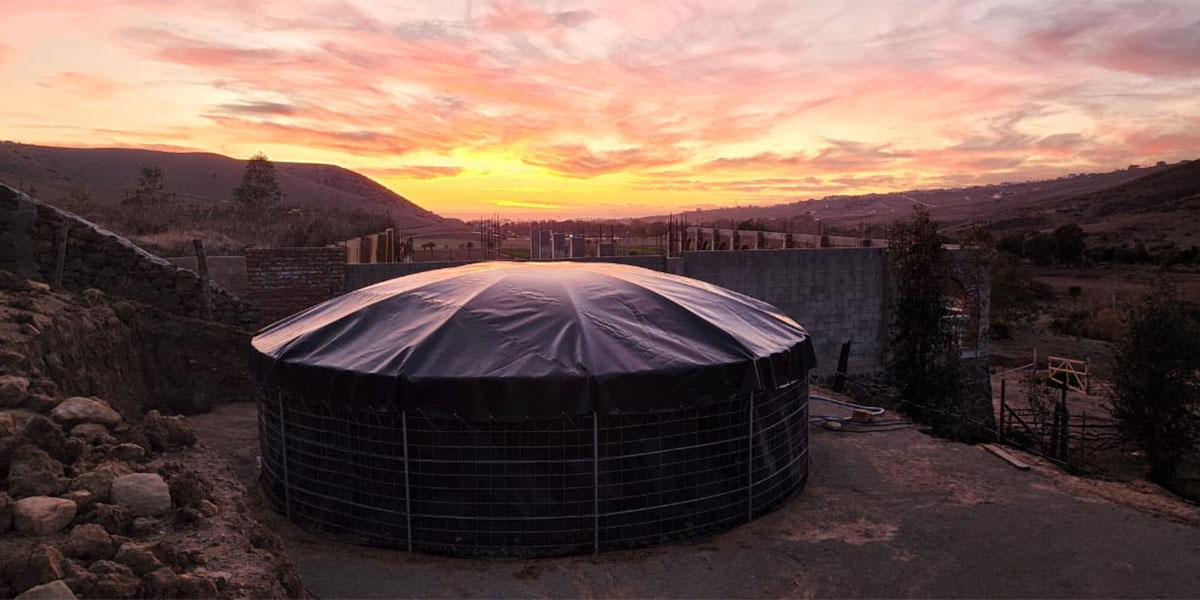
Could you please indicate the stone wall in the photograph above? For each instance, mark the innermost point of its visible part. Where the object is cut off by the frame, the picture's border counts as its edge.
(283, 281)
(32, 244)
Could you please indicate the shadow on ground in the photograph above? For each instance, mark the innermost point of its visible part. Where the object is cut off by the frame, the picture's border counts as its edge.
(895, 514)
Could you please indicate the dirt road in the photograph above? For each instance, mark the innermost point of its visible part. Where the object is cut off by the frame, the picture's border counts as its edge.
(896, 514)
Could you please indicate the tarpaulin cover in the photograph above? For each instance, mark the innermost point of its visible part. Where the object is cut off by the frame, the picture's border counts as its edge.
(519, 340)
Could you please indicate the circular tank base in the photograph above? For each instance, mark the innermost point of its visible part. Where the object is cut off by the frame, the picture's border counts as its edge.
(534, 488)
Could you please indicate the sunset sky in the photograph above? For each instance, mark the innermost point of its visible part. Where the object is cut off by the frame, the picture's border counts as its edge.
(616, 108)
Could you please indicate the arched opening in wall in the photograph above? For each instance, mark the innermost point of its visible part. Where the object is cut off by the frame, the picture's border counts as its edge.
(743, 247)
(722, 246)
(707, 245)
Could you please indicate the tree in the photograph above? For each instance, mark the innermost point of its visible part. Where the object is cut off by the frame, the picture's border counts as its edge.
(260, 188)
(470, 245)
(1156, 392)
(150, 191)
(923, 360)
(1068, 244)
(430, 246)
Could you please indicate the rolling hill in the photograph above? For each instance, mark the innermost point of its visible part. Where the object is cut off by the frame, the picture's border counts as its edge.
(108, 174)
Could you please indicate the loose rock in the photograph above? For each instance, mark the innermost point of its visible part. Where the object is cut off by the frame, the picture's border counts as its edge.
(143, 526)
(114, 518)
(42, 403)
(7, 425)
(164, 432)
(90, 542)
(34, 473)
(13, 390)
(48, 436)
(41, 565)
(6, 512)
(127, 453)
(188, 489)
(113, 580)
(83, 499)
(138, 557)
(55, 590)
(99, 481)
(144, 494)
(41, 515)
(94, 433)
(85, 410)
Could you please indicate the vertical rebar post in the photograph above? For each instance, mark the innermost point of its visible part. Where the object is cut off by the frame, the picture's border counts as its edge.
(407, 486)
(595, 483)
(750, 460)
(287, 484)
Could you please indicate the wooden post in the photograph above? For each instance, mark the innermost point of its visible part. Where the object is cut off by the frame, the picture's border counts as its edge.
(206, 308)
(1087, 376)
(1083, 438)
(1064, 425)
(61, 263)
(1003, 406)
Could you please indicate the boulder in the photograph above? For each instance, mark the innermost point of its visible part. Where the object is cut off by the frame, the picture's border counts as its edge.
(90, 542)
(13, 390)
(42, 515)
(99, 481)
(138, 557)
(144, 494)
(33, 473)
(8, 426)
(127, 453)
(85, 410)
(93, 433)
(55, 590)
(163, 432)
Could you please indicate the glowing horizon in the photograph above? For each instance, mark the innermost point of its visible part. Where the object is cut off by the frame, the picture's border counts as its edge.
(617, 109)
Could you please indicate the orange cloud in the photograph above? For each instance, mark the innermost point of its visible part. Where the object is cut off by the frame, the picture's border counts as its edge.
(663, 104)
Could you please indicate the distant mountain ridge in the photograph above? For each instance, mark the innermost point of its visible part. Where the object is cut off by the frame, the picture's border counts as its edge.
(1161, 203)
(108, 174)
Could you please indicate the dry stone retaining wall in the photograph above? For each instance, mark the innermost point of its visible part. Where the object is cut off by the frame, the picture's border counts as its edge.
(31, 240)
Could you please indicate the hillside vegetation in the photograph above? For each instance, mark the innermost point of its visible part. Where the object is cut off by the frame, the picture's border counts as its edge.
(322, 203)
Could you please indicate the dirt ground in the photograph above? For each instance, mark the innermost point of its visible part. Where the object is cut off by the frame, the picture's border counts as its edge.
(896, 514)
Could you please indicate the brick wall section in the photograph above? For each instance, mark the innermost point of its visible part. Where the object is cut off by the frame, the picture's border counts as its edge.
(283, 281)
(30, 238)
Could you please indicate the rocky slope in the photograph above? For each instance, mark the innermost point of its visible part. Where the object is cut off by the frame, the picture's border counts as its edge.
(99, 499)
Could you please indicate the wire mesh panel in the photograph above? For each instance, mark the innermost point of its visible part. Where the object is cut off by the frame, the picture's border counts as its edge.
(533, 488)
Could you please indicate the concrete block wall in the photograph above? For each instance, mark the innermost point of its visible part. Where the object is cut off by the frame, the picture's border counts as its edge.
(283, 281)
(31, 238)
(837, 294)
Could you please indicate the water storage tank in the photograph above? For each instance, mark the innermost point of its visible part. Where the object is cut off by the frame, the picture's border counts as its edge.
(531, 409)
